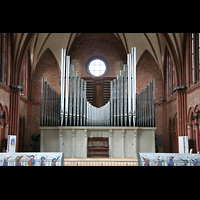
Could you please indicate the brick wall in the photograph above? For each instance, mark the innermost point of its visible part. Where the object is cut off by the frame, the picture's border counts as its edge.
(106, 45)
(193, 97)
(5, 109)
(146, 70)
(5, 98)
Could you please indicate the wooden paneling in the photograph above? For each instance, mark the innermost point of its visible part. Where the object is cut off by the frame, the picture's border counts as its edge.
(98, 90)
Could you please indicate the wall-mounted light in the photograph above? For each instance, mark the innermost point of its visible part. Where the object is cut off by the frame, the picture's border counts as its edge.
(194, 117)
(181, 87)
(17, 87)
(2, 117)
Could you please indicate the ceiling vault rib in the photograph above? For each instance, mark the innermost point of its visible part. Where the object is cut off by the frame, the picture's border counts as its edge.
(37, 58)
(126, 43)
(178, 50)
(70, 37)
(34, 47)
(173, 55)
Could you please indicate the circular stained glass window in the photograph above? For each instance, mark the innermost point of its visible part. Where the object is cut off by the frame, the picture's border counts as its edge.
(97, 67)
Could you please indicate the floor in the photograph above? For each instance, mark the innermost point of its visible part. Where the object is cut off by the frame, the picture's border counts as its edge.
(100, 162)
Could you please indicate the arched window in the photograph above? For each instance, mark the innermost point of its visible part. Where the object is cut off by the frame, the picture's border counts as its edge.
(24, 76)
(171, 75)
(3, 57)
(194, 71)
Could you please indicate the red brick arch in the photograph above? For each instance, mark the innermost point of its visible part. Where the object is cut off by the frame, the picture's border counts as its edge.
(197, 108)
(190, 113)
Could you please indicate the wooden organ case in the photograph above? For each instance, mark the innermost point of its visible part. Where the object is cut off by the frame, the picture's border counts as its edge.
(98, 147)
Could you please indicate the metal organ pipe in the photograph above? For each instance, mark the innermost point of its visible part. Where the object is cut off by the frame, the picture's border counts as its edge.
(133, 75)
(121, 99)
(129, 88)
(125, 95)
(50, 106)
(78, 100)
(85, 104)
(42, 105)
(74, 106)
(71, 107)
(63, 52)
(66, 87)
(111, 105)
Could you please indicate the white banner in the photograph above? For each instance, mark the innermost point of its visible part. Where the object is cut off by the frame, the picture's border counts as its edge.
(183, 144)
(32, 159)
(168, 159)
(11, 143)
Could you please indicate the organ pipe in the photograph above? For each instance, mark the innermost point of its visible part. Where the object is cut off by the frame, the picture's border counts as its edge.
(71, 107)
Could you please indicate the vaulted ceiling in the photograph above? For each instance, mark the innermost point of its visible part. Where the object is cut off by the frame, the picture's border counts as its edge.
(155, 43)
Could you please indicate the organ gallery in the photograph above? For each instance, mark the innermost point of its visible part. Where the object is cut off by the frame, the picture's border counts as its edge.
(124, 109)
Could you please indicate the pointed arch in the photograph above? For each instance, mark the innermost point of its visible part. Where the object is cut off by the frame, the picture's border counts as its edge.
(47, 51)
(190, 113)
(1, 107)
(23, 53)
(174, 57)
(5, 110)
(148, 69)
(49, 54)
(197, 108)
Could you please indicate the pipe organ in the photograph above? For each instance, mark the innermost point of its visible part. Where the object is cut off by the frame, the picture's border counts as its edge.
(124, 108)
(50, 106)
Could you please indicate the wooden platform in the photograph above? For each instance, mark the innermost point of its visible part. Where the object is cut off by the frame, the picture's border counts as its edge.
(100, 162)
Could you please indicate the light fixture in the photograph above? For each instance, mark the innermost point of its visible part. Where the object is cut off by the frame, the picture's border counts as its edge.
(181, 87)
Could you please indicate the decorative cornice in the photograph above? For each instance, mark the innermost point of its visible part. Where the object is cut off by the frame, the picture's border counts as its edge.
(23, 99)
(193, 88)
(4, 87)
(172, 99)
(38, 103)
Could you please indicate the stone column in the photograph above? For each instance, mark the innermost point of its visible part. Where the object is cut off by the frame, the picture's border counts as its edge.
(41, 140)
(14, 114)
(181, 112)
(122, 149)
(196, 136)
(85, 142)
(60, 141)
(110, 143)
(73, 143)
(135, 144)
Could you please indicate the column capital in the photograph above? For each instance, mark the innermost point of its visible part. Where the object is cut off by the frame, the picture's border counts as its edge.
(110, 133)
(123, 132)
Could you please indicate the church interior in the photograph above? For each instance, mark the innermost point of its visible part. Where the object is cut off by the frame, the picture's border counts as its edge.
(171, 59)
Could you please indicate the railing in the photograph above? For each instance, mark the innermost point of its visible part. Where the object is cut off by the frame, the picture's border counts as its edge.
(155, 162)
(100, 163)
(38, 162)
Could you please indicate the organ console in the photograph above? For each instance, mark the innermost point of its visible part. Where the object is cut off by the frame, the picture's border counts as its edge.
(98, 147)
